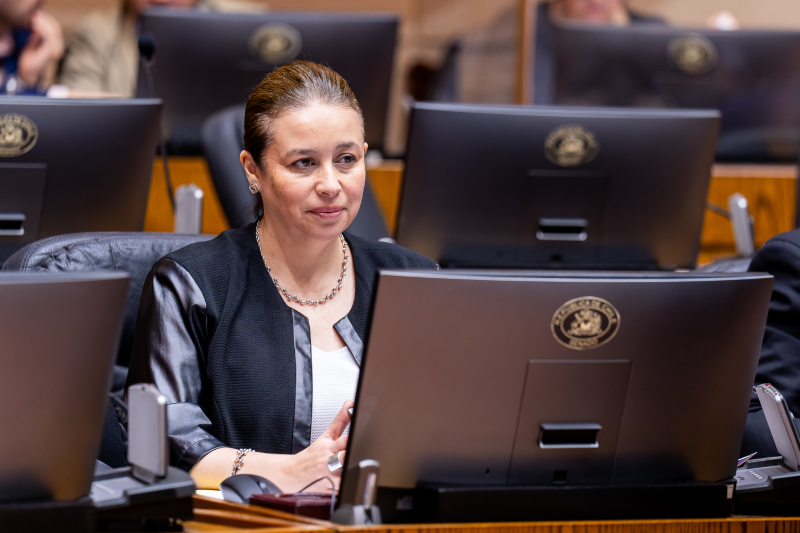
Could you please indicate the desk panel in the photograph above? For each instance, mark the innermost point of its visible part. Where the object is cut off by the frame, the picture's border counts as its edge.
(730, 525)
(217, 515)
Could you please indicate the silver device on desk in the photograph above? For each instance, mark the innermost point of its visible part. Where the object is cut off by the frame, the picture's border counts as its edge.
(147, 432)
(766, 473)
(742, 224)
(149, 487)
(59, 334)
(504, 378)
(189, 209)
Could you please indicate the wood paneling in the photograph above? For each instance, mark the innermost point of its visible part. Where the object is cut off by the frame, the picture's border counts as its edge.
(761, 14)
(771, 191)
(766, 13)
(386, 180)
(526, 29)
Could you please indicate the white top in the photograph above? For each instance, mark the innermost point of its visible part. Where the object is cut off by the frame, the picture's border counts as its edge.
(334, 377)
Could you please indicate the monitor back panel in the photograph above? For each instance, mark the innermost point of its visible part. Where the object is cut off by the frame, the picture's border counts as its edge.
(208, 61)
(58, 340)
(752, 77)
(71, 166)
(482, 186)
(462, 369)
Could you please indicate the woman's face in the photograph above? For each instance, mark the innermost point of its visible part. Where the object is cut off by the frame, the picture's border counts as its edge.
(141, 5)
(312, 175)
(592, 11)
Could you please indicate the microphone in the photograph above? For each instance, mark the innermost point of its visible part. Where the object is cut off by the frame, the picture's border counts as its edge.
(147, 46)
(147, 52)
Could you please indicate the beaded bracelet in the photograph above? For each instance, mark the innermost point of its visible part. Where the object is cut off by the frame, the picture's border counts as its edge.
(238, 463)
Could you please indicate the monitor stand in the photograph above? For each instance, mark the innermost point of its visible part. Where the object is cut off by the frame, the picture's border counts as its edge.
(434, 503)
(562, 461)
(74, 516)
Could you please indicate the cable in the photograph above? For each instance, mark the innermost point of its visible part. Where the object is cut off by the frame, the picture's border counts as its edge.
(147, 50)
(333, 490)
(162, 143)
(714, 208)
(120, 407)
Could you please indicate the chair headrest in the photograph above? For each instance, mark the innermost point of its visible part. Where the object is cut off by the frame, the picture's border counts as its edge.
(134, 253)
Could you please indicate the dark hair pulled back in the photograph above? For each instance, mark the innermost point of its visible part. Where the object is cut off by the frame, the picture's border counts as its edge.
(287, 88)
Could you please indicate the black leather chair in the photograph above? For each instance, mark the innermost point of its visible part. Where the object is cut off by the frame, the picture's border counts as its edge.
(134, 253)
(223, 141)
(735, 264)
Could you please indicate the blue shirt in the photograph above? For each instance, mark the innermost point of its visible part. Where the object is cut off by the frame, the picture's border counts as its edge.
(9, 67)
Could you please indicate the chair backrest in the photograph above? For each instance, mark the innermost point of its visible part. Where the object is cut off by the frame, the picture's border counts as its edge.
(134, 253)
(736, 264)
(223, 141)
(443, 86)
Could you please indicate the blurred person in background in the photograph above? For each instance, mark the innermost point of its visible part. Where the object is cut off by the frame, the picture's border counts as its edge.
(103, 51)
(487, 63)
(613, 12)
(31, 45)
(591, 12)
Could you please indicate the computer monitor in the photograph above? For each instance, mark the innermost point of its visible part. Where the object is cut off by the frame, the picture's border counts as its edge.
(479, 378)
(525, 187)
(206, 61)
(752, 77)
(68, 166)
(59, 334)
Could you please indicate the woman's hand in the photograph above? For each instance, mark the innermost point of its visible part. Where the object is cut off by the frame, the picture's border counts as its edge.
(289, 472)
(312, 463)
(45, 46)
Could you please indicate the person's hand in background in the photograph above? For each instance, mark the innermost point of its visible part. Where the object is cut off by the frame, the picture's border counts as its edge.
(39, 59)
(723, 20)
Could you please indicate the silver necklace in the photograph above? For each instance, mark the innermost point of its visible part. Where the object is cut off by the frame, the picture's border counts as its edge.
(293, 297)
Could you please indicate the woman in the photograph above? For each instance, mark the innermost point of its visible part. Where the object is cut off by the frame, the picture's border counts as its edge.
(255, 337)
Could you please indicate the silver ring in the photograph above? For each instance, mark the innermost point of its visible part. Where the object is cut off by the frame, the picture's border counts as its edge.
(333, 463)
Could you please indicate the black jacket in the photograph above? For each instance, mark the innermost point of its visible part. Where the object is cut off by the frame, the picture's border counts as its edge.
(779, 363)
(233, 360)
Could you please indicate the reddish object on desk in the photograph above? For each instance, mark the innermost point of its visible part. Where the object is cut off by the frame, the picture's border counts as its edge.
(310, 504)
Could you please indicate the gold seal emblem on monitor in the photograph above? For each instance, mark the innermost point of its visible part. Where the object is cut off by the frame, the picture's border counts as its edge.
(571, 145)
(585, 323)
(18, 134)
(275, 43)
(693, 54)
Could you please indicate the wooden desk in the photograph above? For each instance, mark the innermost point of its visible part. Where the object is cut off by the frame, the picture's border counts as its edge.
(769, 189)
(216, 515)
(729, 525)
